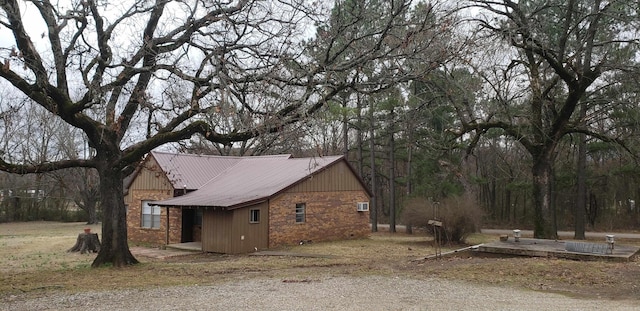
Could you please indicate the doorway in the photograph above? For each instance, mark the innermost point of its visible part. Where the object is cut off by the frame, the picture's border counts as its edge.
(191, 225)
(188, 221)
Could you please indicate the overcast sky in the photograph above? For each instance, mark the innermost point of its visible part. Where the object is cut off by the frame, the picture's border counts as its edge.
(35, 26)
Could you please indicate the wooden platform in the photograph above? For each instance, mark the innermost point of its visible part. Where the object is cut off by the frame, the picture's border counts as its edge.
(556, 249)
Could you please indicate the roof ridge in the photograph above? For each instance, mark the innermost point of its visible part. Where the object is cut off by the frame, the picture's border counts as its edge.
(181, 154)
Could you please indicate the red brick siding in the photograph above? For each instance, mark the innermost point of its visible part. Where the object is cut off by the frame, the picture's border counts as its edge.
(329, 216)
(154, 236)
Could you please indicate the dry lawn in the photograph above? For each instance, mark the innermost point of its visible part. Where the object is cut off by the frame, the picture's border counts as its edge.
(34, 261)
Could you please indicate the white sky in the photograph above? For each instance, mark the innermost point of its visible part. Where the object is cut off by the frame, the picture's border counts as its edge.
(31, 18)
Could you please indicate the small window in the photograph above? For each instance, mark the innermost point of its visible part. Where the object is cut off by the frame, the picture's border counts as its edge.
(254, 216)
(150, 215)
(300, 212)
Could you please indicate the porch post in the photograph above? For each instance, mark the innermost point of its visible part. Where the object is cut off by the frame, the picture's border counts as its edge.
(167, 233)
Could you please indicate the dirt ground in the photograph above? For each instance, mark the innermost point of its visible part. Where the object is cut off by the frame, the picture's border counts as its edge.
(34, 262)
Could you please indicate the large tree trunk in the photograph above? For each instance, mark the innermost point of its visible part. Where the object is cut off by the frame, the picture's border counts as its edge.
(89, 203)
(91, 211)
(359, 141)
(392, 174)
(114, 249)
(581, 199)
(542, 198)
(409, 225)
(372, 158)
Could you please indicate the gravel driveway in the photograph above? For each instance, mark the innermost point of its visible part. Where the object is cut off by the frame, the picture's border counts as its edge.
(331, 293)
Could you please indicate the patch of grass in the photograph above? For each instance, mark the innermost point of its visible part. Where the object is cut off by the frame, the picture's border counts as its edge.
(479, 238)
(33, 263)
(40, 245)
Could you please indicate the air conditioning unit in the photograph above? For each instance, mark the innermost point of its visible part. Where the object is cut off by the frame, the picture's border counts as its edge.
(363, 206)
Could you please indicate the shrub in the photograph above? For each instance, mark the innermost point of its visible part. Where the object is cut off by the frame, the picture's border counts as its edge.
(460, 217)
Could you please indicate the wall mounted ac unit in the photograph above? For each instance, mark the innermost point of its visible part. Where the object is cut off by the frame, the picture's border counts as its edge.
(363, 206)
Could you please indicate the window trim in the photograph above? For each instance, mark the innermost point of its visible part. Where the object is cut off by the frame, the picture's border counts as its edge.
(301, 213)
(254, 212)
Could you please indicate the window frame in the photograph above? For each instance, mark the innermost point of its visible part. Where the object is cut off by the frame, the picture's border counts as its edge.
(301, 213)
(154, 215)
(254, 212)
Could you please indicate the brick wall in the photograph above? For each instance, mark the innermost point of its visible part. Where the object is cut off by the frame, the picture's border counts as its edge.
(156, 236)
(329, 216)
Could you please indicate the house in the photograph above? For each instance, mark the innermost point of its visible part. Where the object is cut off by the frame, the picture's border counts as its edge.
(242, 204)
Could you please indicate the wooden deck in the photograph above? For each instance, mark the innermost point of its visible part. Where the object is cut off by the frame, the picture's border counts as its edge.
(556, 249)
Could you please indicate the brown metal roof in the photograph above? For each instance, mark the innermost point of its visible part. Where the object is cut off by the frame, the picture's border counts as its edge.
(191, 171)
(251, 180)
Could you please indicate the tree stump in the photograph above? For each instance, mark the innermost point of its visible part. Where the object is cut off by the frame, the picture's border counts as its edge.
(86, 242)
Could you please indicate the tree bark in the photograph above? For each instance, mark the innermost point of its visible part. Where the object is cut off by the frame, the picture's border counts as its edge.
(372, 159)
(409, 225)
(581, 199)
(542, 198)
(88, 203)
(392, 174)
(86, 242)
(115, 248)
(359, 141)
(91, 196)
(91, 211)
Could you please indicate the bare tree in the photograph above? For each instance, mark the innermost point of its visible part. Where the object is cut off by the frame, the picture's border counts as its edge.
(564, 54)
(136, 75)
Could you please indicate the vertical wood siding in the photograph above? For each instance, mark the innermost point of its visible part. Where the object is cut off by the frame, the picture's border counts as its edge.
(151, 177)
(216, 224)
(231, 232)
(255, 234)
(335, 177)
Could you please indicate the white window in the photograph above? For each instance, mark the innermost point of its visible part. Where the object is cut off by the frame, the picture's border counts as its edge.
(150, 215)
(300, 212)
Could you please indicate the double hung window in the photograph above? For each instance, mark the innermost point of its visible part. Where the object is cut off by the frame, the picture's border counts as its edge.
(300, 212)
(150, 215)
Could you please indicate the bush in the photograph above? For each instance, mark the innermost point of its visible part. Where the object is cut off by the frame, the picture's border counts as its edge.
(460, 217)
